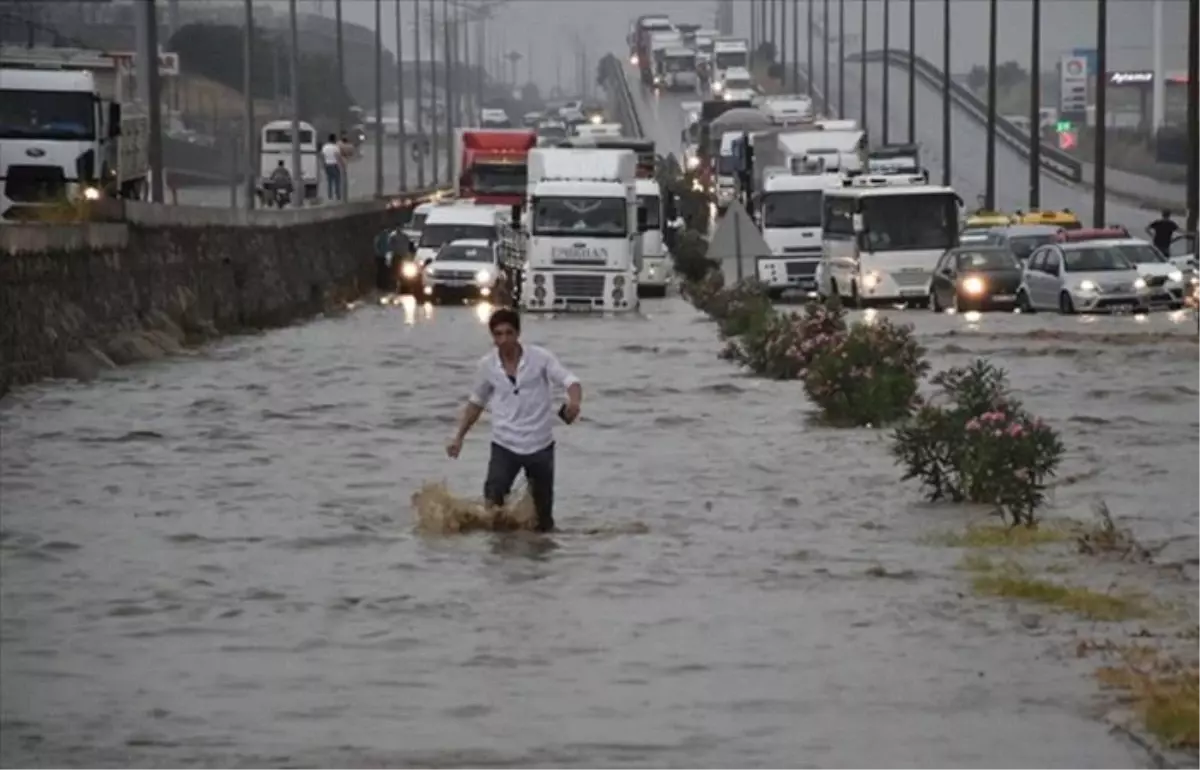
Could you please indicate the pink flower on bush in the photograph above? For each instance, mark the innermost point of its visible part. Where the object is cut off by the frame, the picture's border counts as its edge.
(1015, 430)
(973, 424)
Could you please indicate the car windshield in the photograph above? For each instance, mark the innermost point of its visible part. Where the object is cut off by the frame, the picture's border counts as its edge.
(437, 235)
(417, 221)
(737, 84)
(991, 259)
(652, 205)
(495, 178)
(456, 252)
(1023, 245)
(1095, 260)
(979, 238)
(597, 217)
(284, 136)
(552, 132)
(797, 208)
(909, 222)
(1142, 254)
(46, 115)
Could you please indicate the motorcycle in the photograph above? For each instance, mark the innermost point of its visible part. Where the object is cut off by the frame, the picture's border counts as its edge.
(281, 197)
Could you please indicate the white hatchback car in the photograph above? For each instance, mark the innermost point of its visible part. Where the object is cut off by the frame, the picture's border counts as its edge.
(1080, 277)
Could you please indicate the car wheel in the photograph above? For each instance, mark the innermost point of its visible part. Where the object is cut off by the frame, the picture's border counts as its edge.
(1066, 306)
(854, 302)
(934, 305)
(1023, 302)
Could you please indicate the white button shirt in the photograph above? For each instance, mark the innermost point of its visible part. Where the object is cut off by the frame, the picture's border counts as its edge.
(523, 413)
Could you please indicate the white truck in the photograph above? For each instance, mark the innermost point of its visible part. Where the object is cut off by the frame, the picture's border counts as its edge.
(678, 70)
(728, 53)
(883, 236)
(789, 213)
(584, 248)
(656, 264)
(61, 141)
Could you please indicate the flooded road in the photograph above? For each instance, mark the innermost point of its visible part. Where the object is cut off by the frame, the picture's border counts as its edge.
(210, 561)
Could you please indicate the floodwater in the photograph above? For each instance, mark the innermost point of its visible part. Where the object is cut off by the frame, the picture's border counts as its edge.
(211, 561)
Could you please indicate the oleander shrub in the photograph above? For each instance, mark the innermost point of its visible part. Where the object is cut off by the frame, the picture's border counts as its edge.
(868, 375)
(978, 444)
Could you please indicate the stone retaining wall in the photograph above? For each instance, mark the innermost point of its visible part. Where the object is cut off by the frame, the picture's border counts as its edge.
(75, 299)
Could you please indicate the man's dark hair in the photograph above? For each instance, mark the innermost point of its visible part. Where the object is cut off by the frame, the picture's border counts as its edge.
(333, 137)
(505, 315)
(1166, 213)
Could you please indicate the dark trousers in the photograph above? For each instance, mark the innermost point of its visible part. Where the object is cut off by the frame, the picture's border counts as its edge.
(503, 467)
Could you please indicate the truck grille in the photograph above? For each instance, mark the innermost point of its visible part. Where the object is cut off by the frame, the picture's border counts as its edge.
(911, 279)
(454, 275)
(801, 269)
(29, 184)
(582, 286)
(803, 251)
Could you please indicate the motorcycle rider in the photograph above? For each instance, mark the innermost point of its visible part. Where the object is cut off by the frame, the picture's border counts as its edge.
(281, 179)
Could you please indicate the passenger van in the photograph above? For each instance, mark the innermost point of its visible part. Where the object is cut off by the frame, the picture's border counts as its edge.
(445, 224)
(275, 144)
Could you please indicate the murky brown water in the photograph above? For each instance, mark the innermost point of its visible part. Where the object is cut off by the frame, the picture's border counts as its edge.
(210, 561)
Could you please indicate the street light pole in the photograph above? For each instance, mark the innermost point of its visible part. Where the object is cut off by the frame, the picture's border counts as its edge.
(864, 70)
(434, 136)
(249, 128)
(449, 64)
(378, 98)
(811, 53)
(418, 94)
(154, 105)
(402, 185)
(989, 193)
(947, 148)
(842, 58)
(1100, 177)
(887, 65)
(1035, 109)
(294, 76)
(825, 51)
(1193, 116)
(341, 71)
(912, 71)
(795, 46)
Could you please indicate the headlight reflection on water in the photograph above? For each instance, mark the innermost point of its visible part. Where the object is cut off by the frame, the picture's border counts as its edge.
(483, 311)
(408, 304)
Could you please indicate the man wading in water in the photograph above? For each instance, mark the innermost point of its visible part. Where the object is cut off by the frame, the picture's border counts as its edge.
(516, 382)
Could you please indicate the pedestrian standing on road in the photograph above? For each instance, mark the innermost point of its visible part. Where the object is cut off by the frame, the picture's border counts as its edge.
(1161, 231)
(517, 382)
(331, 157)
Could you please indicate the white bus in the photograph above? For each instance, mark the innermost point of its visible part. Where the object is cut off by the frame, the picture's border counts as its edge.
(882, 237)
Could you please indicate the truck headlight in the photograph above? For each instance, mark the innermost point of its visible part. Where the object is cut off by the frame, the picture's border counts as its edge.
(596, 119)
(1139, 284)
(870, 280)
(408, 270)
(483, 276)
(718, 88)
(692, 162)
(91, 193)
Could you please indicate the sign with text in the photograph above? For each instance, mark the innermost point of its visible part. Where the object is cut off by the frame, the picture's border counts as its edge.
(1073, 85)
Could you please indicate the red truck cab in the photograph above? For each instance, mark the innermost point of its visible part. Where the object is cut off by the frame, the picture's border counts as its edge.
(494, 164)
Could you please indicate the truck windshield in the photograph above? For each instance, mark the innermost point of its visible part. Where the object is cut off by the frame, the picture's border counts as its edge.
(679, 63)
(795, 208)
(437, 235)
(909, 222)
(46, 115)
(498, 179)
(727, 59)
(652, 205)
(596, 217)
(284, 136)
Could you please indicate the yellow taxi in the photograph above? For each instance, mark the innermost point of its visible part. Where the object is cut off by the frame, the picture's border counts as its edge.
(982, 219)
(1064, 219)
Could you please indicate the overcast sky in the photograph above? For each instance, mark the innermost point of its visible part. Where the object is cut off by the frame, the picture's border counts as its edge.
(553, 31)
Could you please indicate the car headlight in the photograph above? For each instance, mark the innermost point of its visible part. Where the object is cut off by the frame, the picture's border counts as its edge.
(1139, 284)
(1175, 275)
(728, 97)
(870, 280)
(718, 88)
(1087, 286)
(483, 276)
(692, 162)
(408, 270)
(429, 272)
(91, 193)
(973, 285)
(633, 60)
(597, 119)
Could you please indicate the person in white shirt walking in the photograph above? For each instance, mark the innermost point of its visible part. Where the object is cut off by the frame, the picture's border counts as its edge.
(517, 382)
(331, 157)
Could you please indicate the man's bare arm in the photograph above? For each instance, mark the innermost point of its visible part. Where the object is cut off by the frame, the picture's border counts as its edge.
(470, 415)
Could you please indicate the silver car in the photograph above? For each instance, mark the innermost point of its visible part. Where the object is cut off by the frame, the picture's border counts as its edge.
(1080, 277)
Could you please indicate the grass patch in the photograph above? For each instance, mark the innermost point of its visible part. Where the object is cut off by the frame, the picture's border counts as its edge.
(1163, 691)
(1001, 536)
(976, 562)
(1081, 601)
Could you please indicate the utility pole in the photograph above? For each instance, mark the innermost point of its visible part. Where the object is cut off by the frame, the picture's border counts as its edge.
(1035, 110)
(825, 50)
(812, 72)
(865, 73)
(402, 111)
(989, 193)
(154, 103)
(795, 46)
(1193, 117)
(842, 58)
(250, 128)
(341, 71)
(378, 98)
(1100, 178)
(418, 94)
(294, 72)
